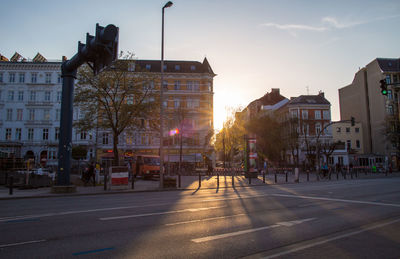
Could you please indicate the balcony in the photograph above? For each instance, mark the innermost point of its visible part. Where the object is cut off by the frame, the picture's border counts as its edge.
(39, 104)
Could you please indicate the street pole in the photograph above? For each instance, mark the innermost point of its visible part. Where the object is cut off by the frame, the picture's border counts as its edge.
(168, 4)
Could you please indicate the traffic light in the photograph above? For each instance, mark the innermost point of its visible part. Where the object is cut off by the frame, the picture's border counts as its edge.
(384, 90)
(100, 50)
(352, 120)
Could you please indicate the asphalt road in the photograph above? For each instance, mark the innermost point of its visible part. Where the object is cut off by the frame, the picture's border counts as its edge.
(359, 218)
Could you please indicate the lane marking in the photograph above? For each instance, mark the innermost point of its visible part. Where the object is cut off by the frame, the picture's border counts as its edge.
(161, 213)
(338, 200)
(237, 233)
(80, 211)
(207, 219)
(94, 251)
(330, 239)
(22, 243)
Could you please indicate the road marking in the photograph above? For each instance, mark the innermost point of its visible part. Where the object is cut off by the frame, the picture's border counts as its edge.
(279, 224)
(330, 239)
(94, 251)
(22, 243)
(207, 219)
(79, 211)
(161, 213)
(339, 200)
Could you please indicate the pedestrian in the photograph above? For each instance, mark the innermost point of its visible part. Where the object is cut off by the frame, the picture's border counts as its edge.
(91, 173)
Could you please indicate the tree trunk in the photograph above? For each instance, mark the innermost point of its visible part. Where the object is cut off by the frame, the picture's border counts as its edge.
(115, 151)
(180, 152)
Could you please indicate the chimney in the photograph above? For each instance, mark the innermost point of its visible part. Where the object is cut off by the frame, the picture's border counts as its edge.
(275, 91)
(322, 94)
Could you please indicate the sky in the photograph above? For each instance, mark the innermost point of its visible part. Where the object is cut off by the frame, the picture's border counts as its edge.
(301, 47)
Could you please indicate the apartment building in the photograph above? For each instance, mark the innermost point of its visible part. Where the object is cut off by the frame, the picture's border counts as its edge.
(362, 99)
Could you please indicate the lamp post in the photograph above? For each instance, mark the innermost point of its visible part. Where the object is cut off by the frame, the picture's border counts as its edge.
(168, 4)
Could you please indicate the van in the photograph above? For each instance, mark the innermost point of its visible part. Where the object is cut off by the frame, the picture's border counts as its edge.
(146, 166)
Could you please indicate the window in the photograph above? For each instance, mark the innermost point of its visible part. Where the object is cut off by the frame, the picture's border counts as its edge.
(176, 103)
(390, 95)
(46, 114)
(11, 95)
(11, 77)
(47, 95)
(105, 138)
(388, 81)
(57, 133)
(22, 77)
(358, 143)
(326, 114)
(83, 134)
(31, 114)
(165, 103)
(317, 128)
(390, 109)
(30, 134)
(177, 67)
(165, 67)
(192, 68)
(189, 85)
(58, 114)
(19, 114)
(317, 115)
(189, 103)
(177, 85)
(148, 66)
(18, 133)
(196, 86)
(33, 78)
(48, 78)
(305, 129)
(8, 134)
(338, 129)
(347, 130)
(45, 134)
(165, 85)
(304, 114)
(9, 114)
(32, 96)
(293, 113)
(348, 144)
(196, 103)
(20, 95)
(357, 130)
(1, 77)
(59, 79)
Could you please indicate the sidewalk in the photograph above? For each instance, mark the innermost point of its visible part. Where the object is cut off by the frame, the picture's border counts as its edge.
(187, 183)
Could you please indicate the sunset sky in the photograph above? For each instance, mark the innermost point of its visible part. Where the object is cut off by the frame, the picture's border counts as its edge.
(252, 46)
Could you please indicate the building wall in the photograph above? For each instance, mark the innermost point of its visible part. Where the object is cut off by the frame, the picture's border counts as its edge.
(344, 132)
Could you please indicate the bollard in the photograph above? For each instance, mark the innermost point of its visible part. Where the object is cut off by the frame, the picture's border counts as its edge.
(329, 176)
(233, 181)
(308, 175)
(217, 180)
(263, 177)
(286, 176)
(11, 185)
(386, 172)
(276, 179)
(105, 181)
(337, 175)
(179, 181)
(365, 171)
(249, 179)
(199, 180)
(133, 182)
(351, 174)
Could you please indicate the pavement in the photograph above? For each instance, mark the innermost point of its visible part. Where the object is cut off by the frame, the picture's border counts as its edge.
(188, 183)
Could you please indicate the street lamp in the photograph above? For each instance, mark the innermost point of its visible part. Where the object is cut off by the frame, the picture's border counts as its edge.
(168, 4)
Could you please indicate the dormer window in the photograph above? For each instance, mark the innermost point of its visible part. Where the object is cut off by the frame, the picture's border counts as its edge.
(148, 66)
(177, 67)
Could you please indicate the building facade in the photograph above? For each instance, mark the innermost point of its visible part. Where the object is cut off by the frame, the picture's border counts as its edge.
(30, 107)
(362, 99)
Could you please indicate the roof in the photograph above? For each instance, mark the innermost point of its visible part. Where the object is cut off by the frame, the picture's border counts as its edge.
(309, 99)
(176, 66)
(271, 98)
(389, 64)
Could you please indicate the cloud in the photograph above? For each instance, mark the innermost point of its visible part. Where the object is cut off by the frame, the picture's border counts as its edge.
(327, 23)
(291, 27)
